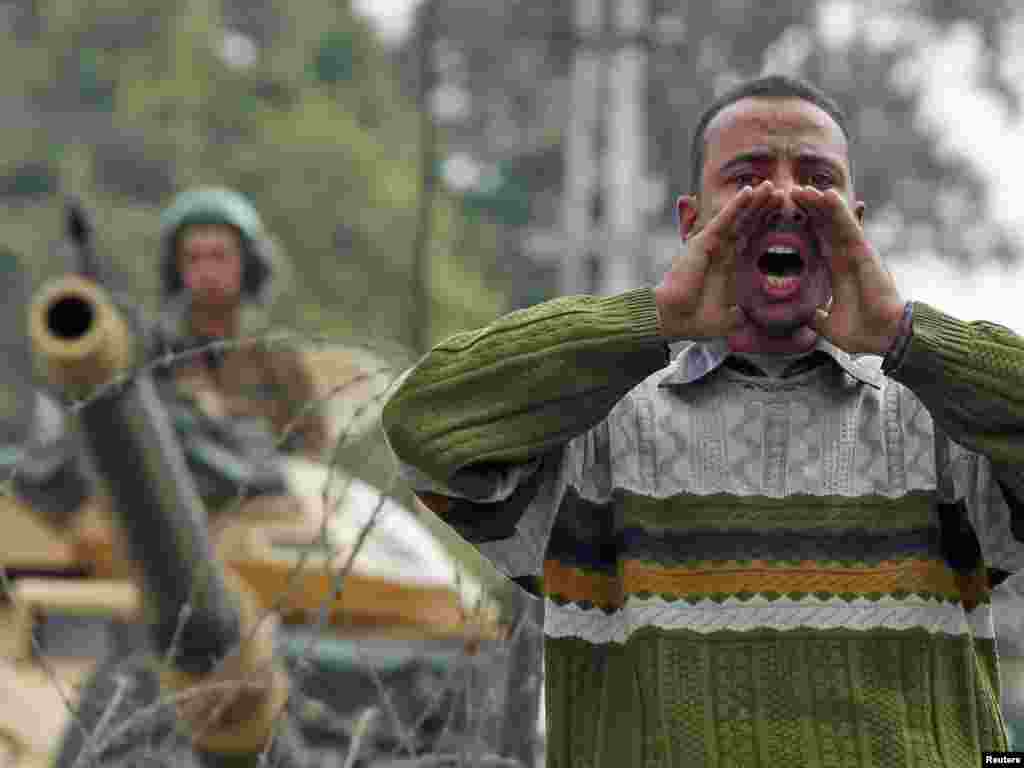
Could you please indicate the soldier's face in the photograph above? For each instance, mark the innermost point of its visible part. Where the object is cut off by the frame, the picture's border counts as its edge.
(210, 262)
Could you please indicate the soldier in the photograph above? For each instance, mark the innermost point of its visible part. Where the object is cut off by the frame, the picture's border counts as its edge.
(238, 401)
(216, 259)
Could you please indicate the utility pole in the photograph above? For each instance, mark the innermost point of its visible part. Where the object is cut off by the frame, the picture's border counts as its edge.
(625, 161)
(606, 180)
(421, 288)
(582, 169)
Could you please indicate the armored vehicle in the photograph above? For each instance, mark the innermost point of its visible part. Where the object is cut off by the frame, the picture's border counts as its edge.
(137, 625)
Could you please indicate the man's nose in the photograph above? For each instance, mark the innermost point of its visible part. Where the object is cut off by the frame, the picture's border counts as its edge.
(789, 212)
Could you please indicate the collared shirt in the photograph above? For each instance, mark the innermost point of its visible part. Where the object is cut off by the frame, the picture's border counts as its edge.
(698, 359)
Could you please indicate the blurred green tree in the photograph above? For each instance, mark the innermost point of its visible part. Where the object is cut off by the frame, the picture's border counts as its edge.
(333, 60)
(126, 102)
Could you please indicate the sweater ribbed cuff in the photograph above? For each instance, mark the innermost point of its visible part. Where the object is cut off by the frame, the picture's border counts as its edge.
(938, 344)
(638, 312)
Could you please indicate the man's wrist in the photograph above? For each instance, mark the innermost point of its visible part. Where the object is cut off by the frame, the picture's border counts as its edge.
(894, 357)
(663, 313)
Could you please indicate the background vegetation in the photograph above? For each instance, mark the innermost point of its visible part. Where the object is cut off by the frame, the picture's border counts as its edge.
(124, 103)
(295, 104)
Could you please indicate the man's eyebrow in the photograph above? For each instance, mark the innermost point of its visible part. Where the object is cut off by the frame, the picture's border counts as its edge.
(810, 156)
(753, 156)
(833, 162)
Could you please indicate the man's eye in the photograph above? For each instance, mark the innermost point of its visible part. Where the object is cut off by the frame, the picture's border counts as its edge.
(747, 180)
(822, 180)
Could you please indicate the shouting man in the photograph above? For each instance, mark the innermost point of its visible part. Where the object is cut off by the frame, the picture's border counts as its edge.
(774, 549)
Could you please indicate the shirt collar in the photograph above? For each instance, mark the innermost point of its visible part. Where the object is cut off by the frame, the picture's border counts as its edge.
(700, 358)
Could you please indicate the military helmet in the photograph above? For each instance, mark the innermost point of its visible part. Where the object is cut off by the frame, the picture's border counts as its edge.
(216, 205)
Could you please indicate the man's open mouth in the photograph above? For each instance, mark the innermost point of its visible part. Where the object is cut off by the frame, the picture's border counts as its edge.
(781, 268)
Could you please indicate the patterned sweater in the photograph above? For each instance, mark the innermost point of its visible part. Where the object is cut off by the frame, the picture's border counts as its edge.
(738, 570)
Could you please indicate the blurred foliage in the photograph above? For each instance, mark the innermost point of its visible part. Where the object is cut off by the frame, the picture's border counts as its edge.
(126, 102)
(501, 193)
(333, 61)
(514, 60)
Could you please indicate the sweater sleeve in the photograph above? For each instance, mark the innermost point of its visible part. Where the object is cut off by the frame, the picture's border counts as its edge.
(970, 377)
(525, 384)
(483, 427)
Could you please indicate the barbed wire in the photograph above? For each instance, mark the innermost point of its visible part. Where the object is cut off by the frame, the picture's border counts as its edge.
(101, 738)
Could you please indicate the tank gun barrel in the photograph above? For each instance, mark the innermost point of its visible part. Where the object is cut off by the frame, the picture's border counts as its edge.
(85, 347)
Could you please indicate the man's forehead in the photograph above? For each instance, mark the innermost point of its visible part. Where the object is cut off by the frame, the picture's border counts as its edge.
(760, 120)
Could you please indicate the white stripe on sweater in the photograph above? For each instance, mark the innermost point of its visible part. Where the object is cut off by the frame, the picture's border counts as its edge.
(706, 616)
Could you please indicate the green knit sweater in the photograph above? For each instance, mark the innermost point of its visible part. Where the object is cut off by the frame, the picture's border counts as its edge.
(738, 570)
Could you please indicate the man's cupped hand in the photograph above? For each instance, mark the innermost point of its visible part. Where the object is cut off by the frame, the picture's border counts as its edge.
(866, 307)
(697, 297)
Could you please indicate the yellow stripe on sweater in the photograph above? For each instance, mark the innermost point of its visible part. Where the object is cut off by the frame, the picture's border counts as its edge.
(918, 575)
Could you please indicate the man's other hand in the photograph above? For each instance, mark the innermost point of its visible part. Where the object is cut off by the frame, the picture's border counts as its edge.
(866, 305)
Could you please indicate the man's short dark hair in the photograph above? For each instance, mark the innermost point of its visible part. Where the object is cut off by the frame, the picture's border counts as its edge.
(768, 87)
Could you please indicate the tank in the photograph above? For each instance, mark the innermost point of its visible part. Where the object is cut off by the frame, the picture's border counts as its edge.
(329, 598)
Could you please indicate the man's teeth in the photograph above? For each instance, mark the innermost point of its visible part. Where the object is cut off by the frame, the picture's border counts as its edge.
(783, 250)
(777, 281)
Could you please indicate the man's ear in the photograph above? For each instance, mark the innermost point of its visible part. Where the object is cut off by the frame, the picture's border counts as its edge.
(858, 211)
(687, 213)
